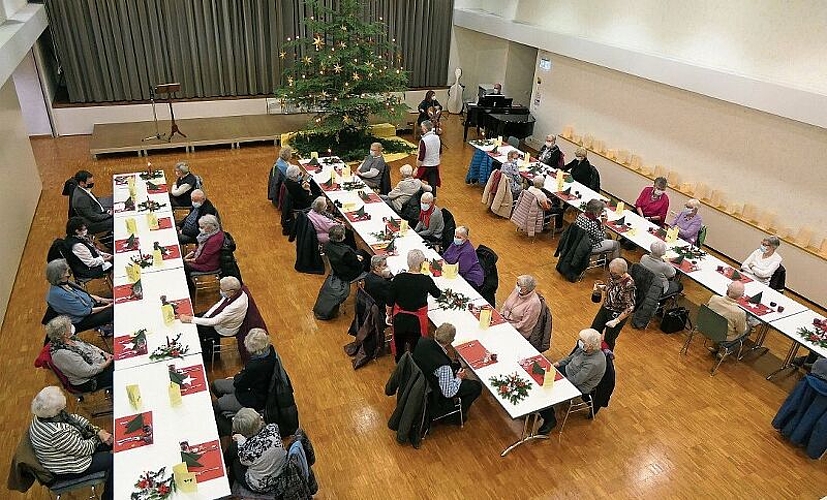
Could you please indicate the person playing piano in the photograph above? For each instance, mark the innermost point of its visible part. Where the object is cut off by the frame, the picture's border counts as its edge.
(498, 89)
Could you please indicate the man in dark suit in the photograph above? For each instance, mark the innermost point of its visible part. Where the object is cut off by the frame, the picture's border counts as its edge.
(98, 219)
(201, 206)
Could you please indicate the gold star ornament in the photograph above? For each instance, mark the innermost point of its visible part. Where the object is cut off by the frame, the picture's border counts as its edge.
(307, 59)
(337, 68)
(318, 42)
(282, 54)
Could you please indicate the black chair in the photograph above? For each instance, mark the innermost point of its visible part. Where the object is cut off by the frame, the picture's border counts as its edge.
(68, 189)
(513, 142)
(488, 260)
(778, 280)
(450, 227)
(410, 210)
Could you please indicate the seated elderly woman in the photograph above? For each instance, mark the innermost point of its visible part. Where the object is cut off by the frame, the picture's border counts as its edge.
(763, 262)
(593, 221)
(345, 262)
(550, 153)
(86, 311)
(283, 161)
(584, 368)
(536, 188)
(407, 187)
(653, 203)
(249, 387)
(257, 454)
(619, 303)
(663, 270)
(582, 171)
(185, 182)
(224, 318)
(188, 227)
(207, 255)
(320, 218)
(298, 188)
(372, 168)
(87, 367)
(431, 223)
(512, 172)
(462, 252)
(408, 304)
(66, 444)
(688, 222)
(522, 308)
(85, 259)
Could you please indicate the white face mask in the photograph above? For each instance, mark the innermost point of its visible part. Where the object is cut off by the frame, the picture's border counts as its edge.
(375, 154)
(196, 204)
(657, 192)
(581, 344)
(73, 330)
(549, 143)
(424, 206)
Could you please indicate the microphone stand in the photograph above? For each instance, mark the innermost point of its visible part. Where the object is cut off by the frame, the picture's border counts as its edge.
(158, 136)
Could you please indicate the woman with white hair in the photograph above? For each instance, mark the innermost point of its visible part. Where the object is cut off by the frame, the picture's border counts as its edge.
(86, 311)
(249, 387)
(283, 161)
(185, 181)
(619, 303)
(663, 270)
(407, 187)
(763, 262)
(257, 455)
(408, 304)
(584, 368)
(66, 444)
(320, 218)
(431, 224)
(593, 221)
(550, 153)
(206, 257)
(689, 222)
(87, 367)
(298, 188)
(522, 308)
(536, 188)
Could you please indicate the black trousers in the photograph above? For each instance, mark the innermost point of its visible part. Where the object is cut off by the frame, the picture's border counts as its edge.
(599, 323)
(406, 333)
(548, 413)
(94, 320)
(209, 338)
(431, 176)
(101, 462)
(469, 391)
(102, 380)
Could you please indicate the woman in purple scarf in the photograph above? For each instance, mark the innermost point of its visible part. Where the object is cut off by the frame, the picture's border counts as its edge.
(462, 251)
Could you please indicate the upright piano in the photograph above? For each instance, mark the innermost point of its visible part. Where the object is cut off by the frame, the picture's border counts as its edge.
(499, 120)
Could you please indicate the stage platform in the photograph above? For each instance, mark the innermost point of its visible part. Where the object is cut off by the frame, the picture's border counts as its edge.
(230, 130)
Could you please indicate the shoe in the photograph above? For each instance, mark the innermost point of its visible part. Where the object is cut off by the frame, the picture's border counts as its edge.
(799, 361)
(547, 427)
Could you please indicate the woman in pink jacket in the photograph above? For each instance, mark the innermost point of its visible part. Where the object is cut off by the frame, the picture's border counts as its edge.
(321, 221)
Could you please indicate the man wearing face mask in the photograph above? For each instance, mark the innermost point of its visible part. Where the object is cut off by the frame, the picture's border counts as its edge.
(378, 281)
(83, 257)
(462, 252)
(550, 154)
(224, 318)
(431, 224)
(653, 203)
(582, 171)
(523, 307)
(188, 227)
(98, 219)
(619, 302)
(584, 368)
(372, 168)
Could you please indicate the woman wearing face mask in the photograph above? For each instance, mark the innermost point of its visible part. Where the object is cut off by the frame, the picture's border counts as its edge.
(462, 252)
(431, 224)
(427, 103)
(653, 203)
(372, 168)
(619, 302)
(582, 171)
(407, 305)
(207, 256)
(512, 172)
(522, 308)
(763, 262)
(86, 311)
(88, 368)
(550, 154)
(83, 256)
(688, 222)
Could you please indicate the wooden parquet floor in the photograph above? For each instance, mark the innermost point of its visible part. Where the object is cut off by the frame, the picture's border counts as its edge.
(671, 431)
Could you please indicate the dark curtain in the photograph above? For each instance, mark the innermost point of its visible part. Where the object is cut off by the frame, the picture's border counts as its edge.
(115, 50)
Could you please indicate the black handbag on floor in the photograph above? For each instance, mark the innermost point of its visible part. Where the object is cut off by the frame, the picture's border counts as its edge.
(675, 320)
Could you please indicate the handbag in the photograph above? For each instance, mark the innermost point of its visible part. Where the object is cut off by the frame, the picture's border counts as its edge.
(675, 320)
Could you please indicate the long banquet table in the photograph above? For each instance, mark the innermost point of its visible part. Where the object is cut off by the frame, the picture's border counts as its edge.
(166, 427)
(502, 339)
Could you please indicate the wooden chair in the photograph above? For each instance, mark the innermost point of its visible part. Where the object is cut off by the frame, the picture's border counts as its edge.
(714, 327)
(205, 282)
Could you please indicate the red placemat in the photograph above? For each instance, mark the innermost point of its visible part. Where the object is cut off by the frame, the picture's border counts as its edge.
(130, 346)
(381, 249)
(685, 266)
(544, 364)
(352, 217)
(121, 247)
(371, 198)
(326, 187)
(727, 271)
(156, 188)
(618, 229)
(133, 431)
(163, 223)
(191, 378)
(181, 306)
(173, 252)
(755, 309)
(475, 354)
(565, 197)
(496, 317)
(204, 460)
(123, 293)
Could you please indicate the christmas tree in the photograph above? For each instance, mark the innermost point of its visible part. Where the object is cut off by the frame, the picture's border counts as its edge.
(344, 69)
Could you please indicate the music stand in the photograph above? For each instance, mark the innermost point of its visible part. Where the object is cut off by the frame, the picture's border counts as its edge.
(158, 135)
(168, 89)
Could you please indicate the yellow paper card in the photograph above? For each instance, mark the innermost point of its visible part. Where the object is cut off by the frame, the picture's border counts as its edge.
(620, 207)
(346, 174)
(180, 468)
(133, 193)
(168, 313)
(403, 227)
(133, 393)
(175, 394)
(131, 227)
(133, 272)
(499, 140)
(349, 206)
(560, 181)
(426, 267)
(485, 318)
(450, 271)
(314, 154)
(632, 231)
(152, 220)
(672, 235)
(157, 258)
(548, 378)
(130, 181)
(186, 483)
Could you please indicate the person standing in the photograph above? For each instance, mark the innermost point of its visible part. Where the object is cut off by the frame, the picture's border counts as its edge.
(407, 304)
(619, 303)
(428, 159)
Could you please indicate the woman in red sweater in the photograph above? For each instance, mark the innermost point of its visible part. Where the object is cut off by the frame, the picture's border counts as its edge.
(653, 204)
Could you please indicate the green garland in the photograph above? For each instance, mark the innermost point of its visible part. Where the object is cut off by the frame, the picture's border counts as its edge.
(154, 486)
(452, 300)
(172, 349)
(511, 387)
(818, 335)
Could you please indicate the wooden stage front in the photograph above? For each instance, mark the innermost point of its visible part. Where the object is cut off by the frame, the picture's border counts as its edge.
(230, 130)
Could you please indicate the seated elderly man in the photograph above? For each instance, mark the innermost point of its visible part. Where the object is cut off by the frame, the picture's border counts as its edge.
(431, 224)
(523, 307)
(224, 318)
(407, 187)
(249, 387)
(372, 168)
(663, 270)
(378, 281)
(85, 259)
(763, 262)
(98, 219)
(462, 252)
(299, 188)
(66, 444)
(87, 367)
(446, 382)
(584, 368)
(727, 306)
(188, 227)
(180, 193)
(593, 221)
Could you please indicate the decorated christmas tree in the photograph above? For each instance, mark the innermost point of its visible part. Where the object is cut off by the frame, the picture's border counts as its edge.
(345, 69)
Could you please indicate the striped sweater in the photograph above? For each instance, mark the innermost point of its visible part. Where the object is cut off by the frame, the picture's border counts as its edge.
(61, 447)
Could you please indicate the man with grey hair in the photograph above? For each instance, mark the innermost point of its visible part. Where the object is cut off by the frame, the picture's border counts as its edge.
(584, 368)
(619, 302)
(224, 318)
(431, 224)
(298, 188)
(662, 270)
(249, 387)
(200, 206)
(407, 187)
(373, 167)
(428, 157)
(727, 306)
(180, 193)
(446, 380)
(378, 281)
